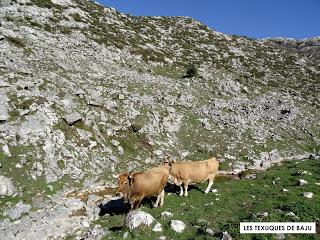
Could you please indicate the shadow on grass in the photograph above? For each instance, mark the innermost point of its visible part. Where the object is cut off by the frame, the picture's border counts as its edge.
(114, 207)
(172, 188)
(119, 207)
(116, 228)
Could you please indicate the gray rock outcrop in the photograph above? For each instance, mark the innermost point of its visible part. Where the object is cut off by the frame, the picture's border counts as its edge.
(17, 210)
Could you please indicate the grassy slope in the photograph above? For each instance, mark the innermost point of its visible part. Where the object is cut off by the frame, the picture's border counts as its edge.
(239, 201)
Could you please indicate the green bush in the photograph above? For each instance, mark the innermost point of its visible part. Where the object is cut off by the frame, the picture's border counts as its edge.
(16, 41)
(44, 3)
(191, 72)
(76, 17)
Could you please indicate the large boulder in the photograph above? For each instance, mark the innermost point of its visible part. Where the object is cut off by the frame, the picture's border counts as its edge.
(6, 186)
(136, 219)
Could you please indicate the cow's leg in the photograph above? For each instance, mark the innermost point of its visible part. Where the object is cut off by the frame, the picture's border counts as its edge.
(162, 198)
(131, 205)
(185, 184)
(179, 183)
(136, 204)
(181, 190)
(158, 199)
(210, 180)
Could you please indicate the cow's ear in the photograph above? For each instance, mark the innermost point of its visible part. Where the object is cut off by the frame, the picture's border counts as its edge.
(131, 179)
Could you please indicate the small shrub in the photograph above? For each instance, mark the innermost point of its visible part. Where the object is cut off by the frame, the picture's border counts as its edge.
(191, 72)
(27, 51)
(16, 41)
(55, 20)
(47, 28)
(43, 3)
(76, 17)
(35, 24)
(14, 114)
(9, 18)
(65, 30)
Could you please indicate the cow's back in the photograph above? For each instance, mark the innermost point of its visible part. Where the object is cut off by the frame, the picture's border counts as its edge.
(195, 171)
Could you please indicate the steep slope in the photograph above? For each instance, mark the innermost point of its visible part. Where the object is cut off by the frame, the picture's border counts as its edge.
(87, 92)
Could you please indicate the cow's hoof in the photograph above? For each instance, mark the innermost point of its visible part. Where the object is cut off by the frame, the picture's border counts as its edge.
(206, 191)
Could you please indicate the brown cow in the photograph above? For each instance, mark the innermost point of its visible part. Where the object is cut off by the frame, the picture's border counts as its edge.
(122, 182)
(138, 185)
(186, 172)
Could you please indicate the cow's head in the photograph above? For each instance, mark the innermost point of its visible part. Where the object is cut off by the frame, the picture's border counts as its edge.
(167, 161)
(123, 181)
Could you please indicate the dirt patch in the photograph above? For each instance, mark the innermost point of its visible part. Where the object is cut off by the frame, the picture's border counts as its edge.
(83, 194)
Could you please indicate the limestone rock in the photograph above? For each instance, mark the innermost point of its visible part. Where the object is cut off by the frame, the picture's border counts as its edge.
(308, 194)
(4, 114)
(115, 142)
(210, 231)
(120, 150)
(166, 214)
(226, 236)
(138, 218)
(177, 225)
(6, 186)
(72, 118)
(74, 203)
(302, 182)
(17, 210)
(6, 150)
(157, 228)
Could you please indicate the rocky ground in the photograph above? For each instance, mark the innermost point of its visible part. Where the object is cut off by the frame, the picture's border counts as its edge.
(87, 92)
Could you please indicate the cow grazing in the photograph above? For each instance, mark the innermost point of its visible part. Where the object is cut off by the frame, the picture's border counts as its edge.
(138, 185)
(186, 172)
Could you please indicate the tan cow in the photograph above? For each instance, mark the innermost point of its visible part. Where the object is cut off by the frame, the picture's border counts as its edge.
(185, 172)
(122, 182)
(138, 185)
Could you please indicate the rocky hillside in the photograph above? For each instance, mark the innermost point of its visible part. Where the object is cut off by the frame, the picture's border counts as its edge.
(87, 92)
